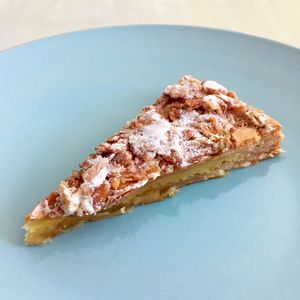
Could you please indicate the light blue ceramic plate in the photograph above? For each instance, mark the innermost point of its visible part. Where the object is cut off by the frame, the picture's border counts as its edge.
(231, 238)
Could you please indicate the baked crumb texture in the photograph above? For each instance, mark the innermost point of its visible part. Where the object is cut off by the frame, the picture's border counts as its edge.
(192, 123)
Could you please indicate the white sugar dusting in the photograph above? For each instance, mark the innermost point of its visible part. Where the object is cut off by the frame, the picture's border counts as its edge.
(86, 205)
(152, 137)
(99, 178)
(187, 118)
(166, 138)
(187, 88)
(118, 147)
(211, 102)
(213, 86)
(42, 208)
(96, 174)
(77, 200)
(69, 198)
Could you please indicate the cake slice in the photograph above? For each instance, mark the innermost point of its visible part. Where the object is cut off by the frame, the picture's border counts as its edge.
(195, 131)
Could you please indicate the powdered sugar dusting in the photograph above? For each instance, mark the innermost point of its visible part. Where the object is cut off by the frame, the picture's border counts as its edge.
(70, 198)
(192, 121)
(180, 142)
(151, 139)
(165, 138)
(187, 88)
(190, 88)
(99, 178)
(213, 86)
(86, 206)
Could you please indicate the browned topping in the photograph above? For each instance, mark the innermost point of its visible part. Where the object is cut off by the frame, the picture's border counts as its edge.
(244, 136)
(52, 200)
(101, 193)
(75, 180)
(192, 121)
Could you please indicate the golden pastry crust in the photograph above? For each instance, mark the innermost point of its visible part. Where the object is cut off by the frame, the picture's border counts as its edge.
(191, 123)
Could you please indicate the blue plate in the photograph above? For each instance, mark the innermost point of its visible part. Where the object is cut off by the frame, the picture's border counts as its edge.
(231, 238)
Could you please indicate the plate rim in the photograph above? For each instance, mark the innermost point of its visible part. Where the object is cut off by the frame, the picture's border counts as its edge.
(155, 25)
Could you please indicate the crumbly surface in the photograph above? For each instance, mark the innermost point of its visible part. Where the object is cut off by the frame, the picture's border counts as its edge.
(193, 121)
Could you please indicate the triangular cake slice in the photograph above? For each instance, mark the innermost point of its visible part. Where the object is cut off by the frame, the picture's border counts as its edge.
(195, 131)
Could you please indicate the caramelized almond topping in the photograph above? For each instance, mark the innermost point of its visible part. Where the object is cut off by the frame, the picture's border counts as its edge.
(192, 121)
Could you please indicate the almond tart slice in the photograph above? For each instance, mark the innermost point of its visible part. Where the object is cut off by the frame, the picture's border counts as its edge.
(195, 131)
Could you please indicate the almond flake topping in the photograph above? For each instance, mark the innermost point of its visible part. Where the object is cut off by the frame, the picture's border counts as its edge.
(191, 122)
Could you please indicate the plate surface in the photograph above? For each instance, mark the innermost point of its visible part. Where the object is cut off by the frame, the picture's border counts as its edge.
(231, 238)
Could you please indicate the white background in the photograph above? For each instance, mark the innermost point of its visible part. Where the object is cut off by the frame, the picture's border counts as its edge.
(25, 20)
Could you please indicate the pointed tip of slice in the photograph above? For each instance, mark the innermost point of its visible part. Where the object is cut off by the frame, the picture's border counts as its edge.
(43, 230)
